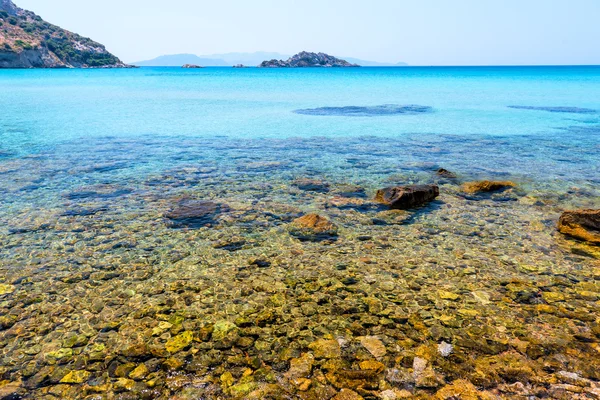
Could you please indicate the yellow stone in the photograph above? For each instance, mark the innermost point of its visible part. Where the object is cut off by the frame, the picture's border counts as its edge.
(468, 313)
(6, 289)
(226, 380)
(179, 342)
(370, 365)
(447, 295)
(76, 377)
(552, 297)
(124, 383)
(139, 373)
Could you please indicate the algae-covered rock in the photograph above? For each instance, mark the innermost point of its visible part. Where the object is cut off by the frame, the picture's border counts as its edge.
(445, 295)
(326, 348)
(221, 329)
(581, 224)
(242, 389)
(6, 289)
(406, 197)
(76, 377)
(347, 394)
(459, 389)
(179, 342)
(313, 227)
(139, 372)
(301, 367)
(444, 173)
(74, 341)
(486, 186)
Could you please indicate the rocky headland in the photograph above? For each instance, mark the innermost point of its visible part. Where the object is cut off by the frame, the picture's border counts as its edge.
(305, 60)
(27, 41)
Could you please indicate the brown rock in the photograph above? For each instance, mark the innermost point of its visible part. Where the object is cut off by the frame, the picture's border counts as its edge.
(405, 197)
(326, 348)
(581, 224)
(312, 227)
(301, 367)
(444, 173)
(459, 389)
(486, 186)
(374, 345)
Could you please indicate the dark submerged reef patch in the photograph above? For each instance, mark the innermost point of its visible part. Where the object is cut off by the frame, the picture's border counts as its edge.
(366, 111)
(570, 110)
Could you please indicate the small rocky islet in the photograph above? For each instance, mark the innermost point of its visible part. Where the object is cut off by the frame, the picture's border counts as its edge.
(306, 59)
(304, 288)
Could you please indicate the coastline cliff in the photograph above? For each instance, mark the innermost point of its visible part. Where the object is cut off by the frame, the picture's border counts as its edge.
(27, 41)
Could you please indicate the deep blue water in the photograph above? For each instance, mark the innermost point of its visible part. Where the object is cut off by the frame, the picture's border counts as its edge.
(64, 128)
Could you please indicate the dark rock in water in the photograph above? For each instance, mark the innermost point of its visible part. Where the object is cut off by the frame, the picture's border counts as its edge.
(572, 110)
(368, 111)
(312, 227)
(487, 186)
(233, 245)
(99, 194)
(195, 213)
(581, 224)
(191, 66)
(311, 185)
(305, 59)
(260, 263)
(444, 173)
(405, 197)
(84, 212)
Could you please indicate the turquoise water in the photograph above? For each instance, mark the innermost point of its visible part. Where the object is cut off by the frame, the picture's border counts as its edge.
(104, 294)
(82, 117)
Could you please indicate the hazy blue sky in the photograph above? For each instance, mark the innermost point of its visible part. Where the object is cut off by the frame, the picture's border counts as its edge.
(419, 32)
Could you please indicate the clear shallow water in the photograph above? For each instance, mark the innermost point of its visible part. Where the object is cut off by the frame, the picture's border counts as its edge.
(91, 162)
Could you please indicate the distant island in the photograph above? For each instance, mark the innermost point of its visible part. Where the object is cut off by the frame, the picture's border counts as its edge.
(235, 59)
(27, 41)
(305, 60)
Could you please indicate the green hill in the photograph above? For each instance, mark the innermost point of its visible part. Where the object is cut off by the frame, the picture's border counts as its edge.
(27, 41)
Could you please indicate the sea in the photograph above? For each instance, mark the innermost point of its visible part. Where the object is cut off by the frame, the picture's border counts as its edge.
(147, 240)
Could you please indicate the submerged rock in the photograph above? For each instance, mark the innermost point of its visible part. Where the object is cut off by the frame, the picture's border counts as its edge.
(487, 186)
(581, 224)
(195, 213)
(460, 389)
(405, 197)
(444, 173)
(312, 227)
(311, 185)
(347, 394)
(374, 346)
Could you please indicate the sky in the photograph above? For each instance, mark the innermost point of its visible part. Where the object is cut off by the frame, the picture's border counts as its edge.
(418, 32)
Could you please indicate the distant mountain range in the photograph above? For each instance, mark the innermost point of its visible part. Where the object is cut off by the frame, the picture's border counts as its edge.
(231, 59)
